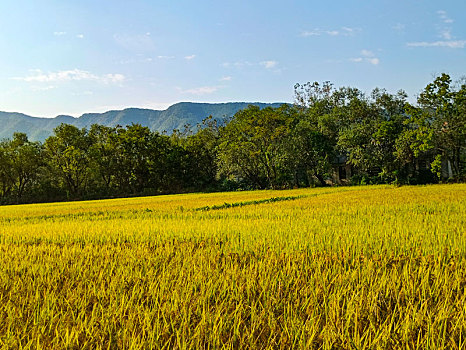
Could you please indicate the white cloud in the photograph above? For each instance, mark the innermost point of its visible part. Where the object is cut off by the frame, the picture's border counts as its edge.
(343, 31)
(367, 53)
(189, 58)
(444, 17)
(269, 64)
(71, 75)
(446, 34)
(79, 36)
(333, 32)
(162, 57)
(366, 56)
(43, 88)
(136, 60)
(227, 78)
(399, 27)
(314, 32)
(348, 30)
(445, 31)
(204, 90)
(238, 64)
(452, 44)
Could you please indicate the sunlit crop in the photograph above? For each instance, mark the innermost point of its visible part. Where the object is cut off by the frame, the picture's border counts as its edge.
(375, 267)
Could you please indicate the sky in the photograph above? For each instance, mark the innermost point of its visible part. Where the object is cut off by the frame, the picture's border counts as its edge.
(77, 56)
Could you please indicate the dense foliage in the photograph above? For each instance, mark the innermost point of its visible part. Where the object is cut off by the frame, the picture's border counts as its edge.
(329, 136)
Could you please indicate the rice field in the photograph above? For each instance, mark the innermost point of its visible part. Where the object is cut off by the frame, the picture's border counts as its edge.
(374, 267)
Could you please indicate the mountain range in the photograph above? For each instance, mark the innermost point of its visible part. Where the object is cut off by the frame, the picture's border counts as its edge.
(174, 117)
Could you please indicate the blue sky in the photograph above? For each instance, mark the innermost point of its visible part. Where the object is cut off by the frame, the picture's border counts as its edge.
(76, 56)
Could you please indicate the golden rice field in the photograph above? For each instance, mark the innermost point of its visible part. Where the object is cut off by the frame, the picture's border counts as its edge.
(375, 267)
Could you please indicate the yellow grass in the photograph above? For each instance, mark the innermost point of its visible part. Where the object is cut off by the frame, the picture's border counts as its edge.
(376, 267)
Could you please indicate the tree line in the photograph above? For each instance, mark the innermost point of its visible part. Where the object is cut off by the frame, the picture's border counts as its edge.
(329, 136)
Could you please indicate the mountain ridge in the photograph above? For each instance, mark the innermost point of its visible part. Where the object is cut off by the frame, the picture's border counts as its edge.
(175, 116)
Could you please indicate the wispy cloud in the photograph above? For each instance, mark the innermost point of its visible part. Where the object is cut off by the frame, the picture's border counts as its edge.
(399, 27)
(227, 78)
(367, 53)
(203, 90)
(444, 17)
(136, 60)
(366, 56)
(43, 88)
(79, 35)
(269, 64)
(349, 31)
(38, 76)
(315, 32)
(343, 31)
(445, 33)
(237, 64)
(163, 57)
(190, 57)
(452, 44)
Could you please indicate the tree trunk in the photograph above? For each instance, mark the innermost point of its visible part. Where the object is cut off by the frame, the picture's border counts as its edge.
(321, 179)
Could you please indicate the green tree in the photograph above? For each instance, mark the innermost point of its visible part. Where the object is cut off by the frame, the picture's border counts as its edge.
(369, 138)
(103, 155)
(251, 145)
(435, 130)
(6, 179)
(309, 152)
(68, 155)
(444, 112)
(200, 155)
(140, 159)
(26, 162)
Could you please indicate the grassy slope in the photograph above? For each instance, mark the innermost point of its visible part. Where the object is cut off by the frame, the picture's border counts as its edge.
(354, 267)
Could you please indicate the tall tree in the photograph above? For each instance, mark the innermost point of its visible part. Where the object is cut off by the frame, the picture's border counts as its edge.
(140, 160)
(6, 179)
(26, 162)
(199, 156)
(68, 155)
(251, 145)
(103, 155)
(444, 112)
(310, 152)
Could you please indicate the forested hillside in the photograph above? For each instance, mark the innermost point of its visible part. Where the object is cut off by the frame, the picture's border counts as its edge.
(330, 136)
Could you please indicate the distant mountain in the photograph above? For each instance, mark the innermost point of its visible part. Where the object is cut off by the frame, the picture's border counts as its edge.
(175, 117)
